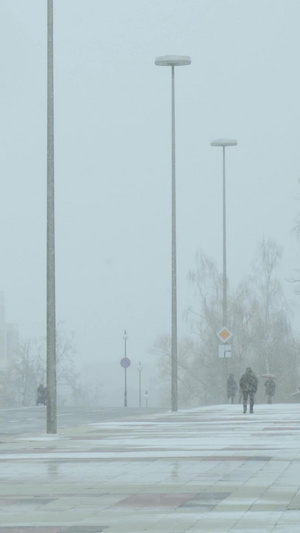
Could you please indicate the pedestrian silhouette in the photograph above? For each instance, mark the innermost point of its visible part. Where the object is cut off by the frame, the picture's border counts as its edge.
(270, 388)
(231, 388)
(248, 386)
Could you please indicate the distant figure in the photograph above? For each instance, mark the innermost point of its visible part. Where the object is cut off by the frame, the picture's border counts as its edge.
(270, 388)
(231, 388)
(41, 395)
(248, 386)
(240, 395)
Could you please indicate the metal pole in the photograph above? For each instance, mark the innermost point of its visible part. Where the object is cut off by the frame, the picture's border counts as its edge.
(224, 267)
(51, 326)
(140, 385)
(125, 384)
(174, 384)
(172, 61)
(224, 246)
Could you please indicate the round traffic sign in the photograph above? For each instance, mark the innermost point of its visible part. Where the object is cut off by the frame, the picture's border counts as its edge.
(125, 362)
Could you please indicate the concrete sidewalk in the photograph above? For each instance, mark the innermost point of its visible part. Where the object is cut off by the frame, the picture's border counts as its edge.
(208, 469)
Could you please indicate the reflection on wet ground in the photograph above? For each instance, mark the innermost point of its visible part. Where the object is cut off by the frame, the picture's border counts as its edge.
(157, 474)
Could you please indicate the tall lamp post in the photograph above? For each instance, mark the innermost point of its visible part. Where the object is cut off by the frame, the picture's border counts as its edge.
(173, 61)
(224, 143)
(125, 338)
(51, 333)
(140, 383)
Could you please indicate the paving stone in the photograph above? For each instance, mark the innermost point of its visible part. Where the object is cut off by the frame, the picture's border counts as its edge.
(175, 470)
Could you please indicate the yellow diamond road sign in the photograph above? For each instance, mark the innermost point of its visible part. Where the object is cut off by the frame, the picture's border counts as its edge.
(224, 334)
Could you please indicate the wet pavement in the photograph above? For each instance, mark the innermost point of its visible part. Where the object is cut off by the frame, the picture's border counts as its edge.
(207, 469)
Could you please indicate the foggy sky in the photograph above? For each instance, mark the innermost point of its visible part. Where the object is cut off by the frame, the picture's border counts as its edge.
(112, 161)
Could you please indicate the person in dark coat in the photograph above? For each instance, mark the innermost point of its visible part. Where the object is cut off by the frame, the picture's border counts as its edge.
(231, 388)
(270, 388)
(248, 386)
(42, 394)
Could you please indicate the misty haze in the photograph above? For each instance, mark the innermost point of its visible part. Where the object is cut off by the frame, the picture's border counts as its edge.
(150, 273)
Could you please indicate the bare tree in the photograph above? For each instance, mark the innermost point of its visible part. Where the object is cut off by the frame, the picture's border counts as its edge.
(258, 315)
(20, 380)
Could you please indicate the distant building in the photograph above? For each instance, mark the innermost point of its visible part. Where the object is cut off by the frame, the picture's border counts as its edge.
(9, 337)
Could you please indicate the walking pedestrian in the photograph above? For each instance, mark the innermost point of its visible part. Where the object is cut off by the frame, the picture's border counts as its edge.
(270, 388)
(231, 388)
(248, 386)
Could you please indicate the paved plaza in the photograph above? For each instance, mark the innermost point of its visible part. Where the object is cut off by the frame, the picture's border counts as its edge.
(207, 469)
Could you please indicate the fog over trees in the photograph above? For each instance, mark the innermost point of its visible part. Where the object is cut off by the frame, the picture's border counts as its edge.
(261, 321)
(19, 381)
(259, 316)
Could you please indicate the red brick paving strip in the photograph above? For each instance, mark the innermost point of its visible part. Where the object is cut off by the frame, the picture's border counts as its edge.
(57, 529)
(154, 500)
(25, 529)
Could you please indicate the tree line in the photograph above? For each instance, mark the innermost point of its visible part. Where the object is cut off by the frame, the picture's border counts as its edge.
(27, 370)
(259, 317)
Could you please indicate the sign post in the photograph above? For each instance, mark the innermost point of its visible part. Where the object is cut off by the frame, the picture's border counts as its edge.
(125, 363)
(225, 349)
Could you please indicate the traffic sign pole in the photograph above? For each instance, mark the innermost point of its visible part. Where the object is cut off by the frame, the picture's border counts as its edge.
(125, 363)
(225, 349)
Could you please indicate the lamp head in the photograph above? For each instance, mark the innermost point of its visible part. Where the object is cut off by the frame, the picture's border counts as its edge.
(224, 142)
(172, 61)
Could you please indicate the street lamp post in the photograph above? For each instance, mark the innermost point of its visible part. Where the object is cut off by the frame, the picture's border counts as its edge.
(140, 383)
(125, 338)
(224, 143)
(173, 61)
(51, 324)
